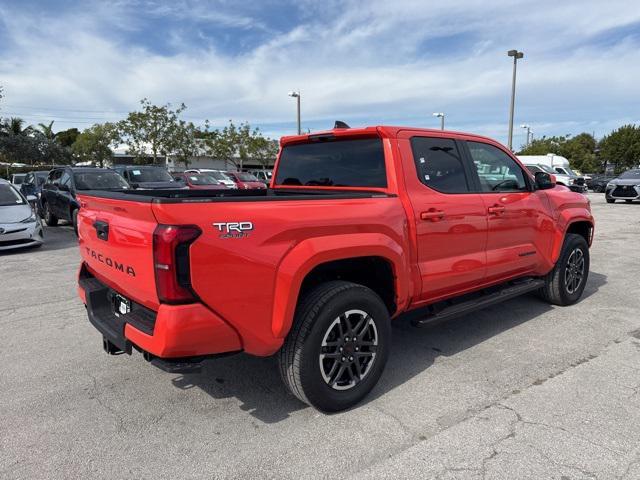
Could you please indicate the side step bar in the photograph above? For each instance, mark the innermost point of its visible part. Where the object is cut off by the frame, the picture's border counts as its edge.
(504, 292)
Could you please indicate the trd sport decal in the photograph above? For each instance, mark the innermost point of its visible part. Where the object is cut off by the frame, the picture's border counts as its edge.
(234, 229)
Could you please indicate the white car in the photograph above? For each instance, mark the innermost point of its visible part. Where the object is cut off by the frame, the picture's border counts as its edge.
(19, 224)
(217, 174)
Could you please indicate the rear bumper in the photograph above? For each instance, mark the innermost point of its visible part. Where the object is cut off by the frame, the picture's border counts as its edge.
(174, 331)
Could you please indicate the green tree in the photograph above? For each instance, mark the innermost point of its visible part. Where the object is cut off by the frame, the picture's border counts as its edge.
(185, 142)
(47, 130)
(579, 150)
(263, 150)
(95, 143)
(238, 144)
(151, 130)
(622, 147)
(15, 126)
(220, 144)
(33, 149)
(66, 138)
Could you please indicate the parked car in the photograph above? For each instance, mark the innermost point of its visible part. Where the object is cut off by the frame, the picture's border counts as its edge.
(263, 175)
(246, 181)
(148, 177)
(200, 181)
(58, 200)
(19, 225)
(219, 175)
(625, 187)
(17, 178)
(561, 179)
(357, 229)
(598, 182)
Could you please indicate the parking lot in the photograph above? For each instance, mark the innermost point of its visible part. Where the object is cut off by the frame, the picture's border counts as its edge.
(520, 390)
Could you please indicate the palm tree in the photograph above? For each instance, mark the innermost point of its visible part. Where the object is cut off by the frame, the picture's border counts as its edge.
(47, 130)
(13, 126)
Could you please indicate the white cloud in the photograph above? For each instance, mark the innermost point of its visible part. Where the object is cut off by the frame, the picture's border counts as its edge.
(364, 62)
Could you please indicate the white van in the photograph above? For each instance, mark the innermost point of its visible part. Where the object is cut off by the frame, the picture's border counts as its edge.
(559, 163)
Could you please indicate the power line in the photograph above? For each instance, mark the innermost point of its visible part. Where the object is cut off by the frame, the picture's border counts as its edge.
(62, 109)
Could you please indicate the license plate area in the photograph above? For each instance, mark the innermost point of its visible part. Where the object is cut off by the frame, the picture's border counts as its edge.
(120, 305)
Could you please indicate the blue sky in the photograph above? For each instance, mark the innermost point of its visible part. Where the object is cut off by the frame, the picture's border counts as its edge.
(364, 62)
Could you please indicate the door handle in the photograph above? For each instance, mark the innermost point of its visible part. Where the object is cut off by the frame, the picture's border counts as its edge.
(496, 209)
(432, 214)
(102, 229)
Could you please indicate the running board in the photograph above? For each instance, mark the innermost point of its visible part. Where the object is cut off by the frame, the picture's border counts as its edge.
(505, 292)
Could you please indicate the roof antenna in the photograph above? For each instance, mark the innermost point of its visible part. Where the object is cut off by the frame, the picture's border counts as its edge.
(340, 124)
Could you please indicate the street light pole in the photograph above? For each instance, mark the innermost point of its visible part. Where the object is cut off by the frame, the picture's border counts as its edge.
(296, 95)
(528, 127)
(516, 55)
(441, 116)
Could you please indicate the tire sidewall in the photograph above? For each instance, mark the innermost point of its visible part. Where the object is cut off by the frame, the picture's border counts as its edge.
(573, 242)
(74, 220)
(321, 395)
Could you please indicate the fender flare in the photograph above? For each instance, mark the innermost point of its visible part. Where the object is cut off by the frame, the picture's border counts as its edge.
(310, 253)
(567, 218)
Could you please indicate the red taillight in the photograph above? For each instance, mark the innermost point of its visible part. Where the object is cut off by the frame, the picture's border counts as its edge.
(171, 262)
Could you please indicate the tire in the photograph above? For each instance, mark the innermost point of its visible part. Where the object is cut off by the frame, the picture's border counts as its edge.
(74, 220)
(611, 200)
(49, 218)
(561, 287)
(340, 373)
(628, 201)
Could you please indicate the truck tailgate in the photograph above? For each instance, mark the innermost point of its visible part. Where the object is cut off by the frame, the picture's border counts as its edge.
(116, 243)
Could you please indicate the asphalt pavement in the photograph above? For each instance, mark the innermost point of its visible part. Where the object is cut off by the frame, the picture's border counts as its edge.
(520, 390)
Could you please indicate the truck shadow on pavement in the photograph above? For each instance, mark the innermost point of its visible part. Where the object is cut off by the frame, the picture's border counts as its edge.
(256, 382)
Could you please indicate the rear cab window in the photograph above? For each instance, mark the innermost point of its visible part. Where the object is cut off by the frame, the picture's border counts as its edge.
(352, 162)
(439, 164)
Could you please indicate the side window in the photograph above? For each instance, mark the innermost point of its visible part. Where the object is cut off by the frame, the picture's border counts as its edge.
(65, 179)
(439, 164)
(28, 180)
(54, 177)
(497, 171)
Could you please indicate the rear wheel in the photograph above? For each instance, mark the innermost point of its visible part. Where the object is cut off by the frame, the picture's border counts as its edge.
(337, 347)
(49, 218)
(565, 283)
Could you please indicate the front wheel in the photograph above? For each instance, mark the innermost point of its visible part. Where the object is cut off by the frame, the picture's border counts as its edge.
(565, 283)
(611, 200)
(338, 346)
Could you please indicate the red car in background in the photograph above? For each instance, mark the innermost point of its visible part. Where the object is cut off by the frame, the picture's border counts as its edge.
(200, 181)
(246, 181)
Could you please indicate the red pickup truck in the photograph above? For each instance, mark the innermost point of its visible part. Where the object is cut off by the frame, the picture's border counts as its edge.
(358, 227)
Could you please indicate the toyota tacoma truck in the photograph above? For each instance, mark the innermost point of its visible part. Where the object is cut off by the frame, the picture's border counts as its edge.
(358, 227)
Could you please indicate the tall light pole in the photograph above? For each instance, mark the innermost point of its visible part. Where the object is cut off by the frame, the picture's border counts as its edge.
(296, 95)
(528, 128)
(516, 55)
(441, 116)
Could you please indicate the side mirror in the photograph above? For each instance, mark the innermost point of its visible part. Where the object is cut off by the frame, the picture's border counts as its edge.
(32, 199)
(63, 188)
(545, 181)
(134, 185)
